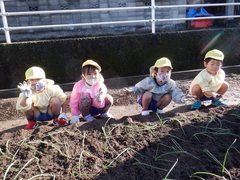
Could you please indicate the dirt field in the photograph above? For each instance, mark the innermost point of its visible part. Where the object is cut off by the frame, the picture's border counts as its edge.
(181, 144)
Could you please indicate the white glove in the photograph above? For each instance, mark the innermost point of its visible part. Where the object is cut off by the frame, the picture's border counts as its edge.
(75, 119)
(25, 87)
(217, 96)
(99, 96)
(63, 116)
(188, 98)
(127, 91)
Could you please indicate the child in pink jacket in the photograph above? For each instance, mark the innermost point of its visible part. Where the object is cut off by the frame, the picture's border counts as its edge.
(89, 96)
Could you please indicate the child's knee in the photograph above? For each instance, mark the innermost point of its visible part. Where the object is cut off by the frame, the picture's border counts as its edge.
(196, 89)
(222, 90)
(225, 85)
(54, 102)
(85, 100)
(147, 95)
(109, 99)
(168, 97)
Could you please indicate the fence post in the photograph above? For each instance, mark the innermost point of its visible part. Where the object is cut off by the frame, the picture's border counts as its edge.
(153, 7)
(230, 9)
(5, 23)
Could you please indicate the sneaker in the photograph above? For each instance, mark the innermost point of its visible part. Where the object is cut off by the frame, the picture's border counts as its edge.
(89, 118)
(196, 105)
(160, 111)
(106, 115)
(145, 112)
(59, 122)
(31, 125)
(218, 102)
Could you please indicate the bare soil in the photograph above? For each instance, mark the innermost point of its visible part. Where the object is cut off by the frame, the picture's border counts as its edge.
(181, 144)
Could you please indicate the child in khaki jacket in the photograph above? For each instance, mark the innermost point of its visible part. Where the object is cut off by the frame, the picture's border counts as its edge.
(41, 100)
(210, 83)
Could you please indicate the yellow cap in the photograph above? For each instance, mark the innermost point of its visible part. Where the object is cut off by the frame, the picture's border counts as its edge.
(215, 54)
(35, 73)
(92, 63)
(163, 62)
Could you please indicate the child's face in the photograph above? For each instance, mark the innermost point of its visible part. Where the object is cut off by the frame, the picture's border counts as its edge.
(92, 76)
(163, 75)
(33, 81)
(37, 84)
(213, 66)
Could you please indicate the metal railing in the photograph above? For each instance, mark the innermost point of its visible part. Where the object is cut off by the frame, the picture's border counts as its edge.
(152, 8)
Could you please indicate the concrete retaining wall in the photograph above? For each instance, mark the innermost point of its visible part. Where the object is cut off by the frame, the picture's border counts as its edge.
(119, 56)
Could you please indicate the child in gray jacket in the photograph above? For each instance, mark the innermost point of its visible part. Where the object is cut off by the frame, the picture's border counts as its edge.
(157, 91)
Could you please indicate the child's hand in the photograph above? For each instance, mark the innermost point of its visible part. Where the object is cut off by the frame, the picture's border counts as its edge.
(25, 87)
(217, 96)
(188, 97)
(99, 95)
(126, 91)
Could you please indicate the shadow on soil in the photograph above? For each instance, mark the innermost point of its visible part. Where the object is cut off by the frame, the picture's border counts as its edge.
(180, 149)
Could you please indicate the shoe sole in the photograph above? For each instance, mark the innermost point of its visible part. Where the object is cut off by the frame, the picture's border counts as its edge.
(195, 108)
(219, 104)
